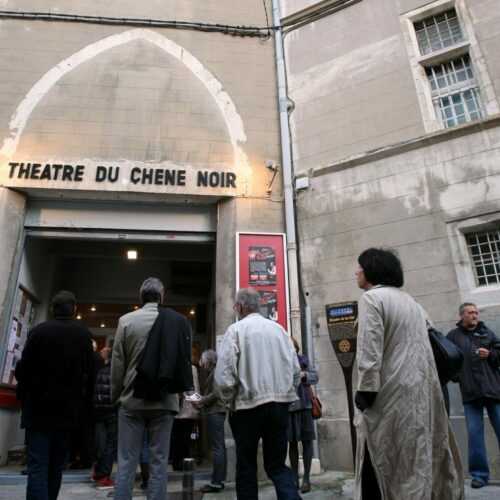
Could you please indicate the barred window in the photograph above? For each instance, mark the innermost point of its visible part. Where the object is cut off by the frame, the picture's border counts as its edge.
(455, 91)
(484, 249)
(438, 32)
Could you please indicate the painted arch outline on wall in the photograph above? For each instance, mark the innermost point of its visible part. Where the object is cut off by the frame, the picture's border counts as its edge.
(232, 119)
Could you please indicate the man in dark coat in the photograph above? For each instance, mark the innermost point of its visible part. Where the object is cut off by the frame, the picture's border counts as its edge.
(55, 380)
(479, 381)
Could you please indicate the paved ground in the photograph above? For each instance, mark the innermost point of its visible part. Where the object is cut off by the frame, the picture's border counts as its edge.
(328, 485)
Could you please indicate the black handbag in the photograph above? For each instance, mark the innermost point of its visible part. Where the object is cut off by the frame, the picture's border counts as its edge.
(447, 355)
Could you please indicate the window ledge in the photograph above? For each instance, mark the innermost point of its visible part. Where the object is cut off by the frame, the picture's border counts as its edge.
(443, 55)
(486, 289)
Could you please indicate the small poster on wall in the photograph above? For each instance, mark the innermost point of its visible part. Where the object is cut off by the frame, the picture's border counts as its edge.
(269, 304)
(262, 265)
(20, 325)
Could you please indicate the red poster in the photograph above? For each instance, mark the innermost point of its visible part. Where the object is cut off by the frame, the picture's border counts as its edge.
(262, 265)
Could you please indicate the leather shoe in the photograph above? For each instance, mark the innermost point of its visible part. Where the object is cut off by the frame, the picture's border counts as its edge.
(305, 488)
(476, 483)
(208, 488)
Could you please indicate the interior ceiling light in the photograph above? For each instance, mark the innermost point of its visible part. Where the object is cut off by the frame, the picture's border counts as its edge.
(132, 254)
(191, 312)
(79, 316)
(136, 307)
(93, 309)
(103, 325)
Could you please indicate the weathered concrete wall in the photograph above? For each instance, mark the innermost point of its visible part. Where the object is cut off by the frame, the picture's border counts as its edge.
(12, 210)
(351, 83)
(101, 94)
(405, 201)
(356, 103)
(350, 79)
(152, 95)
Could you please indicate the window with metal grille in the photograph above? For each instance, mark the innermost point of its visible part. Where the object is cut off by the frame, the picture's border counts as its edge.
(438, 32)
(455, 91)
(484, 249)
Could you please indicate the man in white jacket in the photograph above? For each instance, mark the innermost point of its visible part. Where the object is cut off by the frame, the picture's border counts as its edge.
(258, 374)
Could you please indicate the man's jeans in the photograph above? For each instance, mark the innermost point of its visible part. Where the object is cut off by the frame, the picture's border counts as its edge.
(131, 425)
(47, 454)
(107, 456)
(215, 423)
(478, 460)
(269, 422)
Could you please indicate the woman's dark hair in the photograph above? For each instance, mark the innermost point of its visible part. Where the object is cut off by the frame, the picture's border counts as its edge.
(381, 267)
(63, 304)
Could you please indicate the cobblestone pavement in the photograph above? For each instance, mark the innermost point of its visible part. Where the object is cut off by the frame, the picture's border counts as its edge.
(328, 485)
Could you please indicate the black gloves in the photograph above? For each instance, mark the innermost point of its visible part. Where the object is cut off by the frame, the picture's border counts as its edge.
(364, 399)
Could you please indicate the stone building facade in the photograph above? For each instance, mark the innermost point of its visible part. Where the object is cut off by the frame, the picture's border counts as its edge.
(396, 128)
(155, 133)
(139, 123)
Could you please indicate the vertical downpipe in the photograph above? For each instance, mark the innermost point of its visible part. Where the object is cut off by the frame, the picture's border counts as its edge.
(284, 106)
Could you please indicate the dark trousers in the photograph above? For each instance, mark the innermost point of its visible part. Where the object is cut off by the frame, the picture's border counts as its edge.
(215, 423)
(82, 445)
(269, 422)
(105, 462)
(180, 441)
(369, 485)
(47, 454)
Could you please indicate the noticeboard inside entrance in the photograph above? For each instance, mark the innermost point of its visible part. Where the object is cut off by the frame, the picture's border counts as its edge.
(22, 317)
(261, 264)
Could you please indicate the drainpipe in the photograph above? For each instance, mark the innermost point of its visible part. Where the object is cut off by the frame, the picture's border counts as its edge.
(284, 106)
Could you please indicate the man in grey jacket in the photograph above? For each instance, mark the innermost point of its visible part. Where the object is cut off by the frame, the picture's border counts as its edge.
(258, 374)
(134, 413)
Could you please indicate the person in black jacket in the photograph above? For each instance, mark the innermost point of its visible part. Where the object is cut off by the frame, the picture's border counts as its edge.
(106, 414)
(55, 379)
(479, 382)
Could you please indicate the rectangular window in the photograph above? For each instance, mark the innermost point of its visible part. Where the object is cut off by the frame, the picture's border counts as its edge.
(484, 249)
(438, 32)
(455, 91)
(454, 88)
(452, 81)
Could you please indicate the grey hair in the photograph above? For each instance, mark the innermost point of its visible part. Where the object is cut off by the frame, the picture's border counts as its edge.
(208, 357)
(152, 290)
(250, 300)
(462, 307)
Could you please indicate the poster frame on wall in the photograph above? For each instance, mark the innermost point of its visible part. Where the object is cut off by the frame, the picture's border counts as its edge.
(245, 240)
(22, 295)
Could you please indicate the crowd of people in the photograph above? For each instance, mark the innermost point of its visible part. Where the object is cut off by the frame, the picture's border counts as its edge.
(146, 401)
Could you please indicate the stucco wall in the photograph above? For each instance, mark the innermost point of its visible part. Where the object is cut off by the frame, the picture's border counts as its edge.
(350, 79)
(101, 94)
(405, 200)
(154, 95)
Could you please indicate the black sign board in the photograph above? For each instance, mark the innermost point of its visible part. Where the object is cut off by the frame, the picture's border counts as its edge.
(341, 319)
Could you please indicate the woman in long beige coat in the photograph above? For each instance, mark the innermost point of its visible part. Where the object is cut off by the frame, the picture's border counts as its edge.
(406, 449)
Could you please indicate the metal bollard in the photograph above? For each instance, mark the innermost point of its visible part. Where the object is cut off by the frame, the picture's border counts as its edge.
(188, 479)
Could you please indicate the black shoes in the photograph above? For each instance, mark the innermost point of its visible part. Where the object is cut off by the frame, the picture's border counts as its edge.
(305, 488)
(477, 483)
(208, 488)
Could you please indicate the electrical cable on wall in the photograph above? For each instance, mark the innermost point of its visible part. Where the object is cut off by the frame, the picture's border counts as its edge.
(242, 31)
(262, 32)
